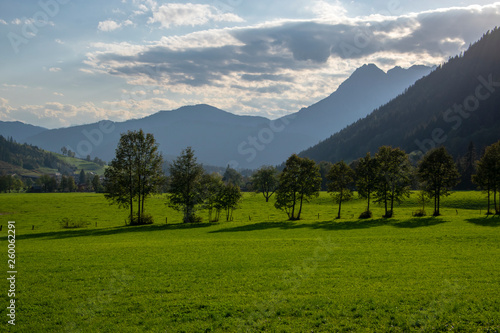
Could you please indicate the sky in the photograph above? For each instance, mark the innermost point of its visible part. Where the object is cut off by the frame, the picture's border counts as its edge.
(71, 62)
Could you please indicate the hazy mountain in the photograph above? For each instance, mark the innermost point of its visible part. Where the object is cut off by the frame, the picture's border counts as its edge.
(366, 89)
(221, 138)
(456, 104)
(19, 131)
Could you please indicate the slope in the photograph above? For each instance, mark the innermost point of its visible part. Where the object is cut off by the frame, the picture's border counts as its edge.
(344, 106)
(454, 105)
(19, 131)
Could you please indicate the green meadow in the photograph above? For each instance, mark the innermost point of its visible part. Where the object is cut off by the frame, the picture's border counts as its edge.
(258, 273)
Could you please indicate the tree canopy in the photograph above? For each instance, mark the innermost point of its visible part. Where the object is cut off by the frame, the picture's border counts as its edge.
(299, 181)
(134, 173)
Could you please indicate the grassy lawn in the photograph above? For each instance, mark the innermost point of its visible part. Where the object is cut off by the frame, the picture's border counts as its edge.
(259, 273)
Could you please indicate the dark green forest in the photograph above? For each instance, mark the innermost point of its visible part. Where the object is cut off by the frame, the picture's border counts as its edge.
(30, 157)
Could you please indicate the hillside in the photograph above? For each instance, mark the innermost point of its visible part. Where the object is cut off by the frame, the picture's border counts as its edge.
(344, 106)
(29, 160)
(454, 105)
(18, 130)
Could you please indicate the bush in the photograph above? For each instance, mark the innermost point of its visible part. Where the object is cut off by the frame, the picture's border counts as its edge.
(145, 219)
(366, 215)
(68, 223)
(419, 213)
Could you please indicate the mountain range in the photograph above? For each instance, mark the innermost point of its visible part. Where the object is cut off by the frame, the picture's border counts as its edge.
(221, 138)
(457, 104)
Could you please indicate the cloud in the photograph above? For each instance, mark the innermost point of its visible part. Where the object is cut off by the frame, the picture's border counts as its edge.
(58, 94)
(55, 69)
(328, 11)
(294, 61)
(188, 14)
(3, 22)
(108, 25)
(55, 115)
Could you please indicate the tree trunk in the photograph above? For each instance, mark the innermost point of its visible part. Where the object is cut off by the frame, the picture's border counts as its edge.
(340, 206)
(300, 209)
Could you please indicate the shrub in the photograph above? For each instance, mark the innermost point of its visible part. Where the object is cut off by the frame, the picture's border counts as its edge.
(419, 213)
(145, 219)
(68, 223)
(366, 215)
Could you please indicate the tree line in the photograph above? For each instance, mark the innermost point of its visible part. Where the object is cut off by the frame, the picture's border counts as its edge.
(386, 178)
(84, 182)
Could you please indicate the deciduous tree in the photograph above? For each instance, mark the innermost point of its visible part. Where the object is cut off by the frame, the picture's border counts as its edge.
(367, 171)
(299, 181)
(135, 173)
(438, 172)
(185, 176)
(265, 180)
(395, 175)
(340, 177)
(487, 176)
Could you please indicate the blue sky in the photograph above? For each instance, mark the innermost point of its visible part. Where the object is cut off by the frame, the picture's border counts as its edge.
(68, 62)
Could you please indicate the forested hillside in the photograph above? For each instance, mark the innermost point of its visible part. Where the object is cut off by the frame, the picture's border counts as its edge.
(455, 105)
(30, 157)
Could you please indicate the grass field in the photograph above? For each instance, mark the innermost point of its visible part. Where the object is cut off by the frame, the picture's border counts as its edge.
(259, 273)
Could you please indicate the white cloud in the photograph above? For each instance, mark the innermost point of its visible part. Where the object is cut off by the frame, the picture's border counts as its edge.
(55, 115)
(177, 14)
(325, 10)
(58, 94)
(55, 69)
(108, 25)
(3, 22)
(58, 41)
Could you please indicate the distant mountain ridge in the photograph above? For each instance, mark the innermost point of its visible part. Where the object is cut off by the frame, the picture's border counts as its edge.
(456, 104)
(18, 130)
(365, 90)
(221, 138)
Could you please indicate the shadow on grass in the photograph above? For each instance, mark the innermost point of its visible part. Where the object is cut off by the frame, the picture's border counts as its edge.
(325, 225)
(491, 221)
(111, 231)
(418, 222)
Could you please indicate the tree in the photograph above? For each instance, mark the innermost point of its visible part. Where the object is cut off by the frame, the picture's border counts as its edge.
(135, 173)
(299, 181)
(71, 184)
(439, 173)
(265, 180)
(210, 189)
(96, 184)
(393, 182)
(185, 176)
(324, 167)
(341, 176)
(487, 176)
(366, 178)
(232, 176)
(64, 150)
(228, 199)
(82, 179)
(467, 168)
